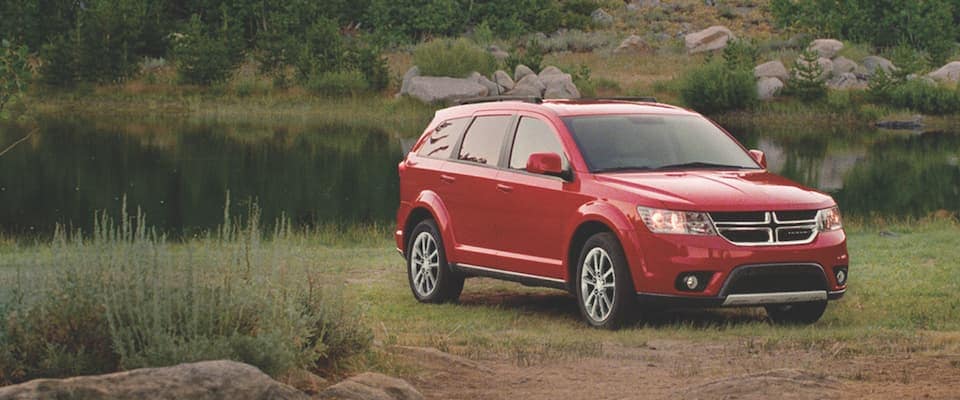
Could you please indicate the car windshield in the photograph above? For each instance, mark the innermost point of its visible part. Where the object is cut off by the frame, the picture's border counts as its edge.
(655, 142)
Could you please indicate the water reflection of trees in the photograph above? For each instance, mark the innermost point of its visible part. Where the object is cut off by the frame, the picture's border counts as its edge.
(179, 173)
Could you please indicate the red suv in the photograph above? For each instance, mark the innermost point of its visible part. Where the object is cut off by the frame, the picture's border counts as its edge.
(623, 203)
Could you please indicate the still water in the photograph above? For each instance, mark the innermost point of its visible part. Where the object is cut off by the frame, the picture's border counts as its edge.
(179, 171)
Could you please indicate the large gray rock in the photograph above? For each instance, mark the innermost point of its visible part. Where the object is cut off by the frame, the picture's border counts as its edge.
(550, 70)
(371, 386)
(872, 63)
(522, 71)
(947, 73)
(529, 85)
(842, 65)
(436, 89)
(772, 69)
(412, 72)
(826, 48)
(503, 79)
(559, 85)
(207, 380)
(768, 88)
(712, 38)
(493, 89)
(846, 80)
(633, 44)
(601, 17)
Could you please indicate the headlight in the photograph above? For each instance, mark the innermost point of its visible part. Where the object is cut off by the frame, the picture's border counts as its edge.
(828, 219)
(676, 222)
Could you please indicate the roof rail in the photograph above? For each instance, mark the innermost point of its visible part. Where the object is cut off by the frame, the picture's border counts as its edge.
(647, 99)
(489, 99)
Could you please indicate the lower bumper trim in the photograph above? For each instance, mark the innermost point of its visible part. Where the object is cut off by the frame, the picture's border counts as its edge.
(734, 300)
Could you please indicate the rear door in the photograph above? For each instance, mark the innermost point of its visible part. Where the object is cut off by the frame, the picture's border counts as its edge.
(468, 187)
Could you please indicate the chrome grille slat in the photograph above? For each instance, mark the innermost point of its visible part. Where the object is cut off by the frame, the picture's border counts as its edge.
(773, 226)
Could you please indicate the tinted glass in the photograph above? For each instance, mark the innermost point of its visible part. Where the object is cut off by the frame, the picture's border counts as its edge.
(614, 142)
(443, 138)
(484, 138)
(533, 136)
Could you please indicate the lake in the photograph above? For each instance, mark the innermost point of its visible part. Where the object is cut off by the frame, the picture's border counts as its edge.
(179, 171)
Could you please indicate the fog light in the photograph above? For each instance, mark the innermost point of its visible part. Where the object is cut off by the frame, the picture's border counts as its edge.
(841, 277)
(691, 281)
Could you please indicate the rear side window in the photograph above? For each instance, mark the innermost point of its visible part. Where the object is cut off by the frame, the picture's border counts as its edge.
(533, 136)
(484, 139)
(442, 139)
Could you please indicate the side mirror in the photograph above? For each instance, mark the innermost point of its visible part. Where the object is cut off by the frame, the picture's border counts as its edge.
(759, 157)
(545, 164)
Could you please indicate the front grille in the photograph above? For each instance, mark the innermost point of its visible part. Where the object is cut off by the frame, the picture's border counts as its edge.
(775, 278)
(755, 228)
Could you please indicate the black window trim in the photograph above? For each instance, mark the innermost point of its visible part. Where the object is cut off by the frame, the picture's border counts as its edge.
(456, 143)
(508, 146)
(455, 154)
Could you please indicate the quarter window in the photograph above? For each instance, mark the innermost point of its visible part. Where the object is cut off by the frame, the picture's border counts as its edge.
(533, 136)
(483, 140)
(442, 139)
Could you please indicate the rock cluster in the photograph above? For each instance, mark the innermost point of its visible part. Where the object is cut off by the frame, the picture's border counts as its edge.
(550, 83)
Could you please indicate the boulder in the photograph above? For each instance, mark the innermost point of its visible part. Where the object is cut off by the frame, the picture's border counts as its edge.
(558, 85)
(549, 70)
(493, 89)
(522, 71)
(207, 380)
(712, 38)
(842, 65)
(435, 89)
(768, 88)
(633, 44)
(846, 80)
(947, 73)
(601, 17)
(412, 72)
(529, 85)
(871, 63)
(503, 79)
(371, 386)
(771, 69)
(497, 52)
(826, 48)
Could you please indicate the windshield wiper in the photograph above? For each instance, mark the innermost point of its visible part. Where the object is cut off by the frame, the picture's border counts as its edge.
(700, 164)
(620, 169)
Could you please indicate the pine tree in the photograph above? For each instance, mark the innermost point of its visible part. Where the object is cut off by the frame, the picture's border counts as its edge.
(807, 81)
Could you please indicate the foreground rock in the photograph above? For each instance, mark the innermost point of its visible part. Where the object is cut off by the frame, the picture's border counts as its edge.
(768, 88)
(776, 384)
(529, 85)
(712, 38)
(557, 84)
(947, 73)
(503, 79)
(521, 71)
(436, 89)
(826, 48)
(772, 69)
(207, 380)
(371, 386)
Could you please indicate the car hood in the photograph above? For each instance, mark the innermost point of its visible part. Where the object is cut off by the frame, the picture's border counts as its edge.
(717, 190)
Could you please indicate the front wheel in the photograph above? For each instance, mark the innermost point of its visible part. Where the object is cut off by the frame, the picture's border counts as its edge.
(431, 279)
(604, 290)
(796, 314)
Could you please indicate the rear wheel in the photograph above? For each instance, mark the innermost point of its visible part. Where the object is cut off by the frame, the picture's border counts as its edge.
(604, 291)
(431, 279)
(796, 313)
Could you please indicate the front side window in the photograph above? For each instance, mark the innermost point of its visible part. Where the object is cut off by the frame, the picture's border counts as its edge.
(483, 140)
(655, 142)
(533, 136)
(442, 139)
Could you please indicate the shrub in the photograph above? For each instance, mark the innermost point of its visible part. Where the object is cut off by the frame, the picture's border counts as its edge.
(807, 81)
(452, 57)
(203, 58)
(716, 87)
(741, 54)
(14, 76)
(337, 83)
(925, 97)
(320, 50)
(531, 56)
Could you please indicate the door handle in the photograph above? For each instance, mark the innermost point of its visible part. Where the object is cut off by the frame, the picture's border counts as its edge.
(447, 179)
(504, 188)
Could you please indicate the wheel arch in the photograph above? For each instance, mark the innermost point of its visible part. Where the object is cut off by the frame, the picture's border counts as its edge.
(428, 206)
(596, 217)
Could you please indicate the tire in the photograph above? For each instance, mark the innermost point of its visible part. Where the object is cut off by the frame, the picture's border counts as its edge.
(608, 305)
(431, 278)
(796, 314)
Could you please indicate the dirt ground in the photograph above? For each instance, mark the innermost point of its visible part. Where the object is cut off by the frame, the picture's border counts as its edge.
(674, 369)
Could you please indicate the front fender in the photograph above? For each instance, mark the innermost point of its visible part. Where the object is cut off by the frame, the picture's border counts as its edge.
(622, 226)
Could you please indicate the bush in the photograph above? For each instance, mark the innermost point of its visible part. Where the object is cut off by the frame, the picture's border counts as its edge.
(925, 97)
(716, 87)
(124, 299)
(337, 83)
(531, 56)
(807, 82)
(453, 57)
(203, 58)
(14, 76)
